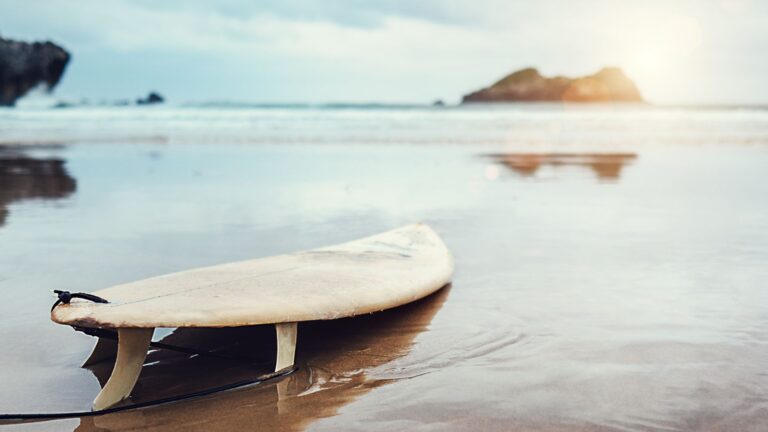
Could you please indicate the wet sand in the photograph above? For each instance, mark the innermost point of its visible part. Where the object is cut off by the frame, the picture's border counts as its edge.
(616, 288)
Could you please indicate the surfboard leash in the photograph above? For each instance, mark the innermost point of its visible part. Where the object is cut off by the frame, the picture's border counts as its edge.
(152, 403)
(66, 296)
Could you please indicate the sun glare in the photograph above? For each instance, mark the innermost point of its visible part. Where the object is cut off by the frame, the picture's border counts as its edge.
(656, 51)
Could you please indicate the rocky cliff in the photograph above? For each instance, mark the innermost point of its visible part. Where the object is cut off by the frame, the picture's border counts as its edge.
(528, 85)
(24, 66)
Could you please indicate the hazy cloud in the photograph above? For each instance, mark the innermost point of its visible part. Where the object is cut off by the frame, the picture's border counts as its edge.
(678, 51)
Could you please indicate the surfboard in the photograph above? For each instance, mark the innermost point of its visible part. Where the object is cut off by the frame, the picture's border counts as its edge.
(359, 277)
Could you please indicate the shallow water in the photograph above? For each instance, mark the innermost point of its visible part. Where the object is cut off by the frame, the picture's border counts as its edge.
(610, 264)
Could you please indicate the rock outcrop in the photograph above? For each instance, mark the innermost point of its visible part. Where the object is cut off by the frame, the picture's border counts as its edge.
(24, 66)
(152, 98)
(528, 85)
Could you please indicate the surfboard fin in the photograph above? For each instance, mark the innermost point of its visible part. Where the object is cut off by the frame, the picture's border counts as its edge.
(286, 344)
(132, 345)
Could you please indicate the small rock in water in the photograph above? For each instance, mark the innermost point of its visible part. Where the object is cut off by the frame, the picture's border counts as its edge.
(152, 98)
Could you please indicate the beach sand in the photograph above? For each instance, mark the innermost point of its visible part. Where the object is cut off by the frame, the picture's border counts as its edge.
(606, 279)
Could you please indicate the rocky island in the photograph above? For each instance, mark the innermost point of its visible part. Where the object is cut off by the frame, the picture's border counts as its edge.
(24, 66)
(528, 85)
(151, 99)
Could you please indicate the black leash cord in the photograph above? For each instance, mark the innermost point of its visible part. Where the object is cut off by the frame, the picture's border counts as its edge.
(66, 296)
(156, 402)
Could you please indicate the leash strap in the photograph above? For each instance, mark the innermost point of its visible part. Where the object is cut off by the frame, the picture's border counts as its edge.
(152, 403)
(66, 296)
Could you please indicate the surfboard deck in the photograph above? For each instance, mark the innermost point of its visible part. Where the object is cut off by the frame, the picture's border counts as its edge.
(362, 276)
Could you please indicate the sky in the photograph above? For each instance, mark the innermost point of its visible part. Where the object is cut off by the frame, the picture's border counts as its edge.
(399, 51)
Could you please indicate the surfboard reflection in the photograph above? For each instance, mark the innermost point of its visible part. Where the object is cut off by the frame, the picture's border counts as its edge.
(334, 358)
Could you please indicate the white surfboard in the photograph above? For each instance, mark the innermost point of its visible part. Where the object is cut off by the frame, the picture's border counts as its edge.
(362, 276)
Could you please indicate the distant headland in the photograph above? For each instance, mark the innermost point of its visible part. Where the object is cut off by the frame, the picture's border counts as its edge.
(24, 66)
(528, 85)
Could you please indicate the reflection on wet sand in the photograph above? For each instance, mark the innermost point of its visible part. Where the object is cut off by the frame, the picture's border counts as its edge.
(607, 166)
(333, 359)
(23, 177)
